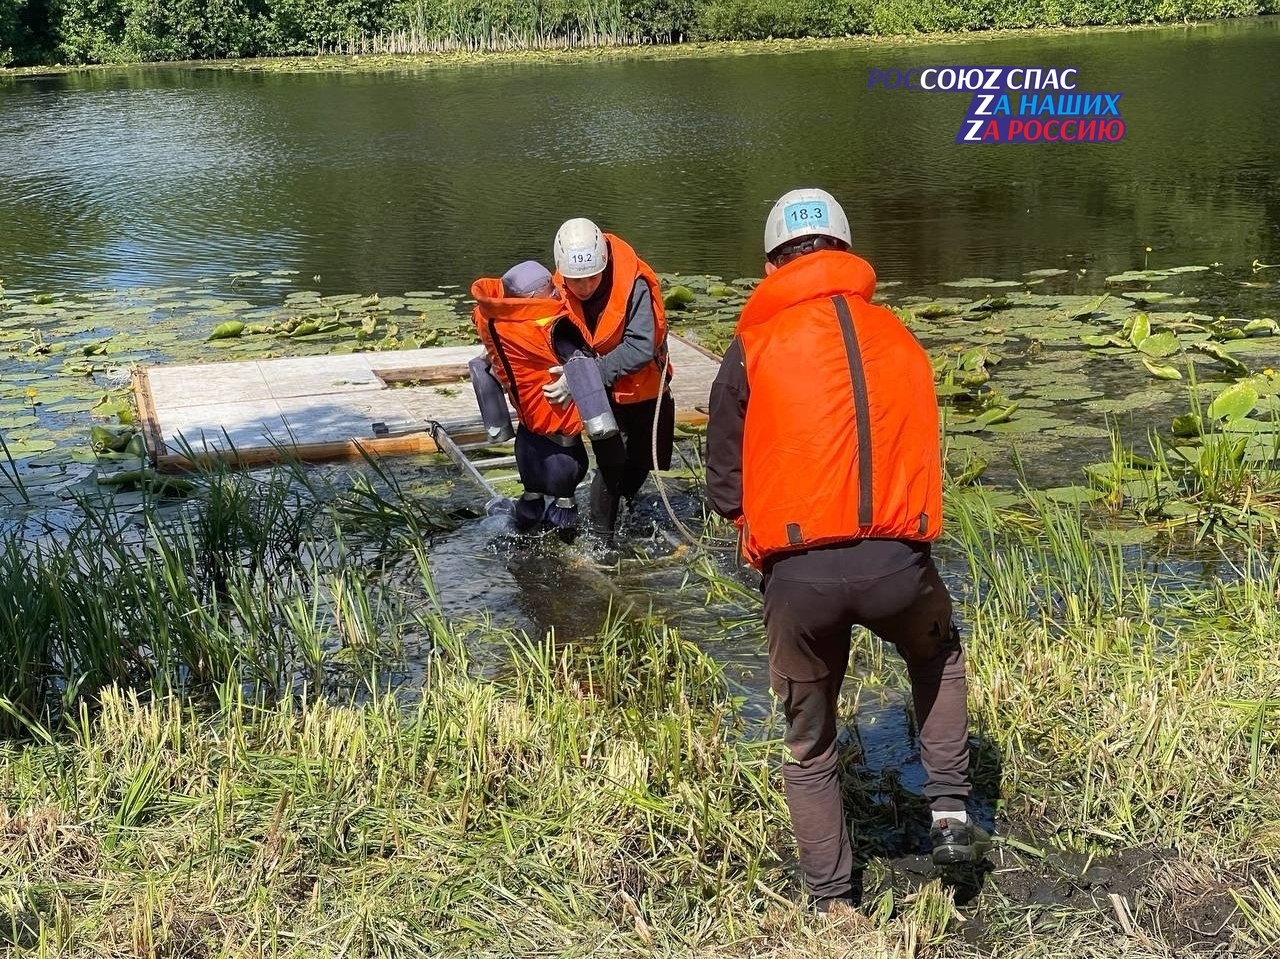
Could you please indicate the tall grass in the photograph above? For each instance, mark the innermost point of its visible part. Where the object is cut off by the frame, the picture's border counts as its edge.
(263, 578)
(195, 782)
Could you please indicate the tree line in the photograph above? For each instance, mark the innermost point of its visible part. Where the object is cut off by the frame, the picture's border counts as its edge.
(41, 32)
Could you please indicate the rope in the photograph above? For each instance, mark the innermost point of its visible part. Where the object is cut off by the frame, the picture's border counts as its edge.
(695, 540)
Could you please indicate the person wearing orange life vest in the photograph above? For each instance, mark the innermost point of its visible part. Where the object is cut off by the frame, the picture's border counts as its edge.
(617, 303)
(515, 317)
(823, 448)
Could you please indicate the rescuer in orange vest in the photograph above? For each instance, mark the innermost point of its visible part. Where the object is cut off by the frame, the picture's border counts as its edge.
(515, 317)
(615, 298)
(823, 448)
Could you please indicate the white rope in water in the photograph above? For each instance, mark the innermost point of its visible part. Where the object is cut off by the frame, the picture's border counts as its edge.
(693, 539)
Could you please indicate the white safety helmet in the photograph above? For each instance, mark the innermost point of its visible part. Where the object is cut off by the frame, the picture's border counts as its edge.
(809, 212)
(580, 249)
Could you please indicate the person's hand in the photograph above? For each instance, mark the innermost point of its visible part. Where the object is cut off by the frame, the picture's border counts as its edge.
(557, 391)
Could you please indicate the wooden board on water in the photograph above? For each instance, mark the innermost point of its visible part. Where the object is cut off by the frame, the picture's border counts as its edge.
(316, 408)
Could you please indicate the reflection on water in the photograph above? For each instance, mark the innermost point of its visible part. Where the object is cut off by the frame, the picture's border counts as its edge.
(400, 180)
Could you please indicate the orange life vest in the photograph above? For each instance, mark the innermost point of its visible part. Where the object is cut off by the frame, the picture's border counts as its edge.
(516, 332)
(627, 268)
(841, 438)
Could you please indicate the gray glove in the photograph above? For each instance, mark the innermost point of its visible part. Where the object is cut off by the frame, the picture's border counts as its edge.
(557, 391)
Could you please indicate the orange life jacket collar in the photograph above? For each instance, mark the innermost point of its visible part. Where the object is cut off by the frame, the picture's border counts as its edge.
(814, 276)
(493, 301)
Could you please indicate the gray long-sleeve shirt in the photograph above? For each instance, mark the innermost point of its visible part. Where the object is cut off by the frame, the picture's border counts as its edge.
(639, 346)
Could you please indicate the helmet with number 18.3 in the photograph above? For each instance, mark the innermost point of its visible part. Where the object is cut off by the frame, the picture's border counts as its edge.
(808, 212)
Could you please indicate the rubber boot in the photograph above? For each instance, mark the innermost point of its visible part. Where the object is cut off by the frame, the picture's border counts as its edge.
(528, 512)
(563, 517)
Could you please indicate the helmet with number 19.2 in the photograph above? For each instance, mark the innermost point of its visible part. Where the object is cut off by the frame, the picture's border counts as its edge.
(808, 212)
(580, 249)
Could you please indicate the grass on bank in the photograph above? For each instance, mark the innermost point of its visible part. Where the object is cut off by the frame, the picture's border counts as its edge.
(214, 792)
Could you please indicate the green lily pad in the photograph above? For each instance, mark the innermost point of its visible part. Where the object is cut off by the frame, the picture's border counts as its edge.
(1134, 536)
(1159, 344)
(1150, 296)
(19, 448)
(1217, 352)
(1187, 425)
(1073, 494)
(1138, 276)
(1089, 307)
(1160, 371)
(678, 297)
(1105, 340)
(1234, 402)
(971, 281)
(1139, 328)
(224, 331)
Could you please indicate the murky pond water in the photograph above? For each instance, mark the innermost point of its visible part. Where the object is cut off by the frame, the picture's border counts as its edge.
(396, 181)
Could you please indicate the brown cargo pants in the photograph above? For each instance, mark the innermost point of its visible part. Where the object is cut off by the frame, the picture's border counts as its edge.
(812, 601)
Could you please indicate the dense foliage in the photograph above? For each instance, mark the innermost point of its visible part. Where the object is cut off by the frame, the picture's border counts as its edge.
(105, 31)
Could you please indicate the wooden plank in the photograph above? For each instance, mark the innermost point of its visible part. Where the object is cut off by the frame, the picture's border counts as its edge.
(426, 375)
(149, 422)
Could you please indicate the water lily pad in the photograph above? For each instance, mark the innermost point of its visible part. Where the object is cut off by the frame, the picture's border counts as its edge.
(1134, 536)
(971, 281)
(1159, 344)
(1137, 276)
(1138, 328)
(224, 331)
(1160, 371)
(1043, 273)
(1089, 307)
(25, 446)
(1073, 494)
(1234, 402)
(1150, 296)
(1217, 352)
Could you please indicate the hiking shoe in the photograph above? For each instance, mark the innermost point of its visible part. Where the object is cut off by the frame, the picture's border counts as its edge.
(956, 842)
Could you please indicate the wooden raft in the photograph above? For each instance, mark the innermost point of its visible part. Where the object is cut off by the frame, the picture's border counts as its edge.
(316, 408)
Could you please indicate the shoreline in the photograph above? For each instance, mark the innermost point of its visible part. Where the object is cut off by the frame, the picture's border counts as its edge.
(338, 62)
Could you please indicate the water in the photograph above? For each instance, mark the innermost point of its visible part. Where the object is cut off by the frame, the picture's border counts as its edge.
(400, 180)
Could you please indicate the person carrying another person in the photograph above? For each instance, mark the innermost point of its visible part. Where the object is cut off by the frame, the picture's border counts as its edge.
(615, 298)
(515, 317)
(823, 448)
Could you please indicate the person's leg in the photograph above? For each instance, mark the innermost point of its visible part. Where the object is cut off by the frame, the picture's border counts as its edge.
(605, 496)
(570, 466)
(808, 628)
(635, 420)
(532, 452)
(925, 634)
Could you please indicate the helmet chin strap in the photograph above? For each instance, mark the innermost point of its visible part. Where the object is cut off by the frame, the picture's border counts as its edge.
(808, 244)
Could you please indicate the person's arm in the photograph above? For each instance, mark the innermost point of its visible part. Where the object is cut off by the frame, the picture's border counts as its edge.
(638, 348)
(727, 417)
